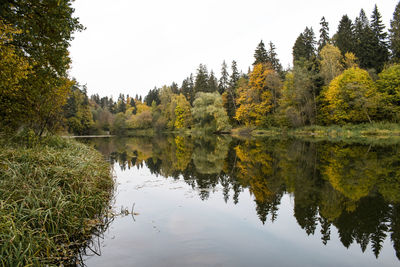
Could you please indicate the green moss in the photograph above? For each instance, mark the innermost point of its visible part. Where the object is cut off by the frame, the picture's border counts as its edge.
(54, 193)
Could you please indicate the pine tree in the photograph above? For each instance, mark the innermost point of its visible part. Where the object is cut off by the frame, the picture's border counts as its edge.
(273, 58)
(324, 34)
(187, 89)
(395, 34)
(344, 37)
(121, 103)
(224, 80)
(260, 55)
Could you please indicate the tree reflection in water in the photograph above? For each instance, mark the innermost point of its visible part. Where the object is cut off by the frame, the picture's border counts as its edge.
(353, 187)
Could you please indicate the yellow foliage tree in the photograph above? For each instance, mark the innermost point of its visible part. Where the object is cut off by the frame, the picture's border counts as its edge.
(255, 99)
(13, 69)
(351, 97)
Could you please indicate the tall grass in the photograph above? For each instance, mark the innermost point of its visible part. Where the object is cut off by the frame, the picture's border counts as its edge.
(52, 195)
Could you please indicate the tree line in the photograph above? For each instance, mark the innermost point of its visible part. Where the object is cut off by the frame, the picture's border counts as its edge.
(351, 77)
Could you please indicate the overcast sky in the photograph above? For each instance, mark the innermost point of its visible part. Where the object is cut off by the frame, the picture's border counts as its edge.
(131, 46)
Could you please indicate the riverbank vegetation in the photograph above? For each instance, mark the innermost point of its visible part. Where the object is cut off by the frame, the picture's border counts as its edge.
(54, 193)
(349, 78)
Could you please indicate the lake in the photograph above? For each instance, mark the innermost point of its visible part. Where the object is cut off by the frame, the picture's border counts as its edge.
(220, 201)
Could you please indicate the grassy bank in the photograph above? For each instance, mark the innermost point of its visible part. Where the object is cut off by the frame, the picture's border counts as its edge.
(52, 196)
(334, 132)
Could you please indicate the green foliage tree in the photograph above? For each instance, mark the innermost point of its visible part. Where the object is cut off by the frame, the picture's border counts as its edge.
(395, 34)
(388, 85)
(209, 114)
(304, 47)
(201, 83)
(273, 58)
(47, 28)
(212, 83)
(224, 80)
(344, 37)
(260, 54)
(323, 34)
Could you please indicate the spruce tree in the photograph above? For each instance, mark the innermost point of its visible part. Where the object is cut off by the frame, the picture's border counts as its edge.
(174, 88)
(367, 47)
(224, 80)
(260, 55)
(304, 47)
(344, 37)
(395, 34)
(201, 82)
(230, 105)
(323, 34)
(133, 105)
(380, 38)
(212, 83)
(273, 58)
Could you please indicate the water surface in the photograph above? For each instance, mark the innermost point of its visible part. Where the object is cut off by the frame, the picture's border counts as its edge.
(218, 201)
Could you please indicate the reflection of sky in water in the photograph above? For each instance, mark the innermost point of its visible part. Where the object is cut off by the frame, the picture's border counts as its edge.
(175, 228)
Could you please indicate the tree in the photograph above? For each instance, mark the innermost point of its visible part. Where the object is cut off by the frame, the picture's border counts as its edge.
(304, 47)
(260, 54)
(388, 85)
(380, 38)
(273, 58)
(395, 34)
(351, 98)
(48, 27)
(298, 105)
(201, 83)
(183, 115)
(255, 100)
(230, 97)
(323, 34)
(212, 83)
(14, 68)
(224, 80)
(121, 103)
(133, 105)
(187, 89)
(209, 114)
(331, 63)
(367, 47)
(344, 37)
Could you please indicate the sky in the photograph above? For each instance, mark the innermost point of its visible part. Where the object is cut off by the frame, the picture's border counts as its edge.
(131, 46)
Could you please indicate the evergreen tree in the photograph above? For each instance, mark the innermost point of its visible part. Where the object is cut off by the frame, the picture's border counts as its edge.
(121, 103)
(201, 82)
(344, 37)
(175, 88)
(273, 58)
(133, 105)
(230, 104)
(324, 34)
(187, 89)
(212, 83)
(152, 95)
(224, 80)
(395, 34)
(367, 47)
(304, 47)
(380, 38)
(260, 55)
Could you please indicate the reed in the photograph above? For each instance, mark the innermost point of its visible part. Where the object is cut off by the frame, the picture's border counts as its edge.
(53, 194)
